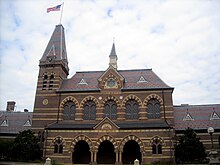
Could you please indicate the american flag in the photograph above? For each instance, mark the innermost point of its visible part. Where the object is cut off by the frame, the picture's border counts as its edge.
(56, 8)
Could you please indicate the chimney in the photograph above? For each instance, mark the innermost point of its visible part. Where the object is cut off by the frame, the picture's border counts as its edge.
(10, 106)
(25, 110)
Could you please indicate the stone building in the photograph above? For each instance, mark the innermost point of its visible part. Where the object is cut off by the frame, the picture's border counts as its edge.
(105, 117)
(111, 116)
(12, 122)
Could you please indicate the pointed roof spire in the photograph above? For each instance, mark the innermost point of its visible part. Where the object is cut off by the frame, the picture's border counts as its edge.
(113, 52)
(113, 57)
(56, 48)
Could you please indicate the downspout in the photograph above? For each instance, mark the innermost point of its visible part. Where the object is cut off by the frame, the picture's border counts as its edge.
(45, 143)
(168, 125)
(164, 106)
(58, 113)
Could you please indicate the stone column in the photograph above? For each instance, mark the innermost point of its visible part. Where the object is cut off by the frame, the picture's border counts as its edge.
(91, 156)
(120, 156)
(95, 157)
(116, 152)
(71, 156)
(142, 157)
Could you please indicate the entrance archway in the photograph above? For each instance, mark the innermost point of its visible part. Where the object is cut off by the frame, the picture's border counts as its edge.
(81, 153)
(131, 151)
(106, 154)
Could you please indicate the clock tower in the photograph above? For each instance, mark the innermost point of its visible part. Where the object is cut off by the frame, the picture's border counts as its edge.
(53, 70)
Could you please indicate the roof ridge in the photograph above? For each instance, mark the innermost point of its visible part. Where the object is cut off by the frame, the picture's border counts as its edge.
(195, 105)
(89, 71)
(135, 70)
(122, 70)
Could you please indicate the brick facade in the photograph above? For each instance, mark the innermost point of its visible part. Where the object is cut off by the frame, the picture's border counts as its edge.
(101, 117)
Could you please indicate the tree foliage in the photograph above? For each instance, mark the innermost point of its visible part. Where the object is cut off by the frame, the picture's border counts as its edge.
(25, 147)
(5, 148)
(189, 148)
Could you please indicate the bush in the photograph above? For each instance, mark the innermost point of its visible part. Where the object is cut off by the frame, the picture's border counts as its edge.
(5, 149)
(190, 149)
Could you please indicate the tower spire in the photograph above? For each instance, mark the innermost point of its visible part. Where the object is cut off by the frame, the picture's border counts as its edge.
(113, 57)
(56, 48)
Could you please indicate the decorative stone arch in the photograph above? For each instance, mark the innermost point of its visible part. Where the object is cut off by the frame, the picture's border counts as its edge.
(106, 137)
(153, 96)
(55, 139)
(157, 137)
(131, 97)
(69, 98)
(48, 74)
(87, 99)
(79, 138)
(132, 137)
(110, 98)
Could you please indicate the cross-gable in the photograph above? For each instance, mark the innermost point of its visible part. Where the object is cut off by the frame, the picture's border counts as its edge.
(106, 124)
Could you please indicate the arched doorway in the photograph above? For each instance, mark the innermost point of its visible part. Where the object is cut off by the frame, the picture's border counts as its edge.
(106, 154)
(131, 151)
(81, 153)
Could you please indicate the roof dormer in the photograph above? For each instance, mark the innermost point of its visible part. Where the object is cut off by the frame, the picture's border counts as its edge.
(111, 79)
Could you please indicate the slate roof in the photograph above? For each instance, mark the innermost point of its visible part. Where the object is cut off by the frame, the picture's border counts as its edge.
(56, 48)
(121, 125)
(56, 45)
(199, 116)
(15, 122)
(131, 81)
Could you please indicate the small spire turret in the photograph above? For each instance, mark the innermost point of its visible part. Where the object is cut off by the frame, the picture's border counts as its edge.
(113, 57)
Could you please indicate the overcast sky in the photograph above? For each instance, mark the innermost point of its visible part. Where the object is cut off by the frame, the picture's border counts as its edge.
(178, 39)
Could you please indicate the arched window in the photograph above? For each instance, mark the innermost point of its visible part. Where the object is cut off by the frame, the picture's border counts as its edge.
(89, 110)
(110, 109)
(156, 146)
(58, 146)
(44, 82)
(51, 82)
(132, 109)
(69, 111)
(153, 109)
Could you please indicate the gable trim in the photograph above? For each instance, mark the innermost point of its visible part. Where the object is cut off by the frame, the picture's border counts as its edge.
(188, 117)
(142, 80)
(104, 120)
(214, 116)
(4, 123)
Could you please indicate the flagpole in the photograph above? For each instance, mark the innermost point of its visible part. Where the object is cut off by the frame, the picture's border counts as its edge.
(61, 13)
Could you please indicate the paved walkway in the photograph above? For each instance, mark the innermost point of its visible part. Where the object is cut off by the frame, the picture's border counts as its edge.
(19, 163)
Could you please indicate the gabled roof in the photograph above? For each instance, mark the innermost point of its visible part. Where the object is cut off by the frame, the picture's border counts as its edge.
(110, 68)
(199, 116)
(16, 121)
(131, 79)
(104, 121)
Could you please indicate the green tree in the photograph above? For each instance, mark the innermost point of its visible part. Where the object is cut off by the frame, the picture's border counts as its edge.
(26, 146)
(5, 149)
(189, 148)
